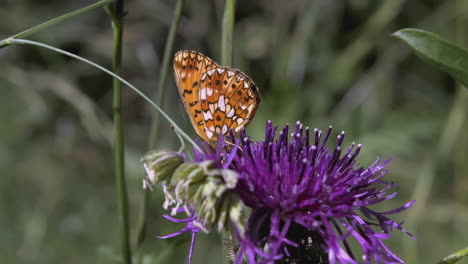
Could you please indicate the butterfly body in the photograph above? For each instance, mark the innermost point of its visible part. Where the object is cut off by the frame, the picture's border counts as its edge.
(217, 98)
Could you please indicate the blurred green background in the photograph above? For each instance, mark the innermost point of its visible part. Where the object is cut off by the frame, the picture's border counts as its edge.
(324, 62)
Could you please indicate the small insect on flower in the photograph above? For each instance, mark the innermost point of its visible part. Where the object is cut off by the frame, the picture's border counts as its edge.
(217, 98)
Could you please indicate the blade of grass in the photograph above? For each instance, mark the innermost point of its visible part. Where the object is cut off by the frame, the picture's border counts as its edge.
(136, 90)
(167, 58)
(156, 121)
(54, 21)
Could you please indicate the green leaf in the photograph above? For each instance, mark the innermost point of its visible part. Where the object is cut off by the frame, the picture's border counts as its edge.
(455, 257)
(432, 48)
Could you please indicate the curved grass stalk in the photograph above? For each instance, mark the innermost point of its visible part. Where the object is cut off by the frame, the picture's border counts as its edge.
(177, 129)
(156, 120)
(28, 32)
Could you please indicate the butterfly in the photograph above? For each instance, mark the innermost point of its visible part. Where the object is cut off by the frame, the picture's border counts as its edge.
(217, 98)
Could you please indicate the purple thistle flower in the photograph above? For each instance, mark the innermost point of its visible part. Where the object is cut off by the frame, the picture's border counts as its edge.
(308, 198)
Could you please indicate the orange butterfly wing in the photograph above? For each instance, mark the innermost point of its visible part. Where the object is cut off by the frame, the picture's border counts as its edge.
(188, 68)
(216, 98)
(229, 100)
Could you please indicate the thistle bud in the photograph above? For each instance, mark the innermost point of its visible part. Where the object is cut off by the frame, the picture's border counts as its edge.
(209, 191)
(160, 165)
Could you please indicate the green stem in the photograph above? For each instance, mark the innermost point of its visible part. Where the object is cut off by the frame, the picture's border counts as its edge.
(156, 121)
(167, 59)
(226, 59)
(177, 129)
(227, 32)
(117, 15)
(54, 21)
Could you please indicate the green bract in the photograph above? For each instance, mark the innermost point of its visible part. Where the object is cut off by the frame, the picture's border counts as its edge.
(160, 164)
(197, 185)
(206, 188)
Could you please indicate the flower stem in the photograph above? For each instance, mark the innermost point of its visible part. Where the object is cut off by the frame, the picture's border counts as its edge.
(226, 59)
(227, 32)
(28, 32)
(117, 15)
(156, 121)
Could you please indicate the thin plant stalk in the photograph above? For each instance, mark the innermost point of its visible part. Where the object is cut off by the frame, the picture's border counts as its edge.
(156, 121)
(167, 59)
(54, 21)
(117, 15)
(226, 59)
(227, 32)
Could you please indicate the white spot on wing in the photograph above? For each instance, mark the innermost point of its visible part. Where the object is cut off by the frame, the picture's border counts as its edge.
(209, 91)
(225, 128)
(246, 85)
(240, 120)
(212, 128)
(208, 133)
(242, 106)
(230, 73)
(212, 108)
(231, 113)
(203, 93)
(207, 115)
(220, 71)
(210, 72)
(221, 105)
